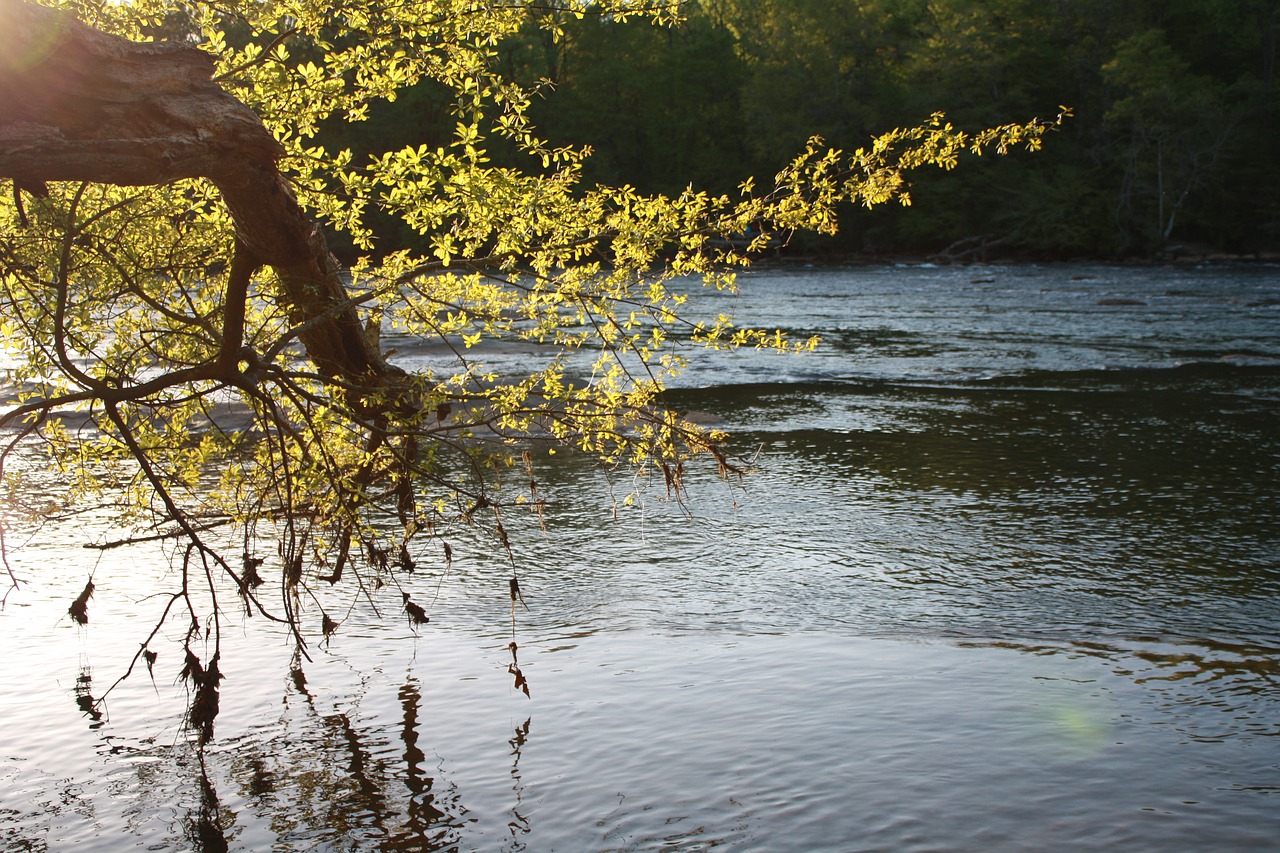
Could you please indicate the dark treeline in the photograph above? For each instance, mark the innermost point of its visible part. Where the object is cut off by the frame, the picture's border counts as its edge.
(1173, 145)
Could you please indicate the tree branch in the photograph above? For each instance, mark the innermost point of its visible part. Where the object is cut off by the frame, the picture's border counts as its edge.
(77, 104)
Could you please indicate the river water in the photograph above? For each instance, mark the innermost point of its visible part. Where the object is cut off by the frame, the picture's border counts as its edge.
(1005, 576)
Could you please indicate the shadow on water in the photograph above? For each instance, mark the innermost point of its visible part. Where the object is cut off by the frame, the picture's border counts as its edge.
(1197, 449)
(1095, 503)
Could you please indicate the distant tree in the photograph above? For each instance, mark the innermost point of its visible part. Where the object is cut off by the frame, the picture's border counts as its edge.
(830, 67)
(742, 85)
(1175, 127)
(672, 97)
(192, 357)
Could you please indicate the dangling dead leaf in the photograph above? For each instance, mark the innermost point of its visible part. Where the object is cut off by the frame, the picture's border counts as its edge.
(150, 657)
(192, 669)
(406, 506)
(520, 682)
(79, 608)
(515, 594)
(204, 705)
(417, 616)
(406, 561)
(293, 572)
(251, 576)
(328, 626)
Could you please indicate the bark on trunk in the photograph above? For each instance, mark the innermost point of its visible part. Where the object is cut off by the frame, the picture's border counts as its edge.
(77, 104)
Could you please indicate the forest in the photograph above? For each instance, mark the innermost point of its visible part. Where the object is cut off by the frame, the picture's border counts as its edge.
(1171, 149)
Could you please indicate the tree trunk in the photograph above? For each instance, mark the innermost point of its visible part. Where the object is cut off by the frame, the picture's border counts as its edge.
(77, 104)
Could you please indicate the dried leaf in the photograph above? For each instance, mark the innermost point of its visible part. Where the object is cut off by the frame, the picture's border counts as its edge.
(417, 616)
(204, 705)
(293, 572)
(79, 608)
(515, 593)
(192, 669)
(406, 561)
(406, 507)
(251, 576)
(521, 683)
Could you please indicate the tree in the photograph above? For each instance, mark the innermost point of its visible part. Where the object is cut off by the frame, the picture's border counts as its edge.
(818, 66)
(166, 286)
(673, 96)
(1174, 126)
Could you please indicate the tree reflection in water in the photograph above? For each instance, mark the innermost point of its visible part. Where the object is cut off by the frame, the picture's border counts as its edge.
(426, 826)
(321, 780)
(204, 824)
(85, 700)
(312, 776)
(519, 823)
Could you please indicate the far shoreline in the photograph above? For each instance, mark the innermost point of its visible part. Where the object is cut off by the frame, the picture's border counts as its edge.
(850, 259)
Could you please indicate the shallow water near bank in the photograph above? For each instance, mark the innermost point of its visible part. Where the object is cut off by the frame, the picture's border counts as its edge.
(1005, 576)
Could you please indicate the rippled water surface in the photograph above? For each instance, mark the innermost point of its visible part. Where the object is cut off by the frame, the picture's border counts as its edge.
(1005, 576)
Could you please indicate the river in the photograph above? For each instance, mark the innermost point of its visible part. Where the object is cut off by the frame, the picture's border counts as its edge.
(1004, 576)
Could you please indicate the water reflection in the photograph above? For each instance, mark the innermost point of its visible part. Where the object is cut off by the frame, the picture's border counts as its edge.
(335, 782)
(84, 696)
(206, 826)
(426, 826)
(519, 823)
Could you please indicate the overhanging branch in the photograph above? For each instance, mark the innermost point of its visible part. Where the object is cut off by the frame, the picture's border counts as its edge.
(77, 104)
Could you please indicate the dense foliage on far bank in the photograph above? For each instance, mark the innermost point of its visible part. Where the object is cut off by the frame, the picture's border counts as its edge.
(1174, 146)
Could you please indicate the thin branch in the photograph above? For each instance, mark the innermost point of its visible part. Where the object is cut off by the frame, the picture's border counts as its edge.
(260, 59)
(158, 537)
